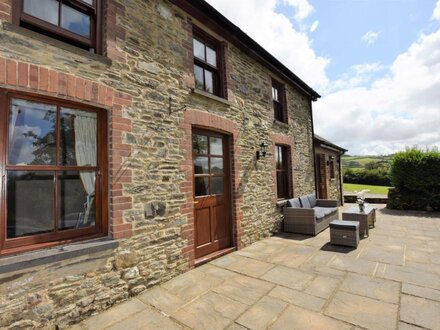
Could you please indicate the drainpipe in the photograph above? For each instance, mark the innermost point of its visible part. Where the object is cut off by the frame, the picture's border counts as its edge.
(313, 151)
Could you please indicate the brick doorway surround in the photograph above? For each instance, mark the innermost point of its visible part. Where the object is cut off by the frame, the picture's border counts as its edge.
(195, 118)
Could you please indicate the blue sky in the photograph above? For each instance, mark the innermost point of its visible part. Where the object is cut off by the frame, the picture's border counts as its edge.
(376, 64)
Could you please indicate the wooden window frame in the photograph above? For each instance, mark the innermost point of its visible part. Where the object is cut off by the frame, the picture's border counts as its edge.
(33, 242)
(219, 85)
(280, 105)
(95, 42)
(284, 172)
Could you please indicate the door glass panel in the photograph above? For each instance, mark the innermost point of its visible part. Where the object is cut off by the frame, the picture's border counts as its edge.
(46, 10)
(75, 21)
(90, 2)
(78, 137)
(202, 186)
(200, 144)
(211, 56)
(199, 49)
(32, 133)
(198, 76)
(209, 81)
(216, 165)
(76, 199)
(30, 203)
(201, 165)
(216, 144)
(218, 185)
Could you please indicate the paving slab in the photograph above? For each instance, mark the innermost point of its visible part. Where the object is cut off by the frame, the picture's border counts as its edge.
(162, 299)
(148, 319)
(210, 311)
(362, 311)
(302, 319)
(244, 265)
(420, 291)
(288, 277)
(298, 298)
(244, 289)
(420, 311)
(410, 275)
(353, 265)
(366, 286)
(262, 314)
(322, 286)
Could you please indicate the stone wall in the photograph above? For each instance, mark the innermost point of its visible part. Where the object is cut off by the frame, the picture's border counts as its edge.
(144, 81)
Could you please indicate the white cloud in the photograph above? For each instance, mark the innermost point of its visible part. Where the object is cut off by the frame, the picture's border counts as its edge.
(275, 32)
(314, 26)
(370, 37)
(436, 13)
(302, 7)
(398, 110)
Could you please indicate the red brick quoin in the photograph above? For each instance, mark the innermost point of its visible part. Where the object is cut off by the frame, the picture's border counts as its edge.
(195, 118)
(44, 81)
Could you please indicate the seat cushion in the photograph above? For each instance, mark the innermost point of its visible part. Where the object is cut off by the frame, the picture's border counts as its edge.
(294, 202)
(312, 199)
(326, 210)
(319, 213)
(305, 202)
(347, 225)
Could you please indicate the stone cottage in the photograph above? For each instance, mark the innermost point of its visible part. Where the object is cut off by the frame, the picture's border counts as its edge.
(139, 139)
(329, 177)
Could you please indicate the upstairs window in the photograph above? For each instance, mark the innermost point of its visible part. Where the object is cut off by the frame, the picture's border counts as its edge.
(279, 101)
(282, 156)
(207, 64)
(76, 22)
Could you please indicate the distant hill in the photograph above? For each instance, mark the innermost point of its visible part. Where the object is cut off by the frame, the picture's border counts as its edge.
(359, 162)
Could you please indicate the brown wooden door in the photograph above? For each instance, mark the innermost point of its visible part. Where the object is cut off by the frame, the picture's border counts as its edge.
(212, 197)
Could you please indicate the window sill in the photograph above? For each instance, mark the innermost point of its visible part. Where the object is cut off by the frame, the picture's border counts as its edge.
(280, 124)
(55, 254)
(210, 96)
(55, 43)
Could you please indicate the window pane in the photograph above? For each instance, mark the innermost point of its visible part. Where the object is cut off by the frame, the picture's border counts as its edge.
(200, 144)
(75, 21)
(275, 94)
(32, 133)
(216, 165)
(76, 199)
(216, 144)
(90, 2)
(218, 185)
(47, 10)
(201, 165)
(209, 81)
(202, 186)
(199, 49)
(198, 75)
(279, 157)
(30, 203)
(211, 56)
(78, 142)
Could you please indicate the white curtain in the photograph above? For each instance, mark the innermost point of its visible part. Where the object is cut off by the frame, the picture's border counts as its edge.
(85, 153)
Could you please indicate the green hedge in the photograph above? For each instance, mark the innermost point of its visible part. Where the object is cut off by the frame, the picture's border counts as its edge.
(377, 176)
(415, 174)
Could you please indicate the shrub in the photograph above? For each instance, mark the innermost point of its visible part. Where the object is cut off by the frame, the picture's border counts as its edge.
(377, 176)
(415, 175)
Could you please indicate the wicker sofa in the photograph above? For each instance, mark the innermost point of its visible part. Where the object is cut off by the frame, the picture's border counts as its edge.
(308, 215)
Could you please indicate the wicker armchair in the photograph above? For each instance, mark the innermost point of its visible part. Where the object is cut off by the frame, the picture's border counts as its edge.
(308, 215)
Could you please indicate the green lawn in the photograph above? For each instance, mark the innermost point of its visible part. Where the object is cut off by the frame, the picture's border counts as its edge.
(352, 187)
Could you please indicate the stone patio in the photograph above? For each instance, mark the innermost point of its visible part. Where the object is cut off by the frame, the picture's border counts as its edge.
(391, 281)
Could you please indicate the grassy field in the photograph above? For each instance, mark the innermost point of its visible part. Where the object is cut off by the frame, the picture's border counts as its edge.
(380, 190)
(358, 162)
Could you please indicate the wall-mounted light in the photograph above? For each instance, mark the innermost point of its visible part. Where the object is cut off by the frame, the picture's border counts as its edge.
(263, 150)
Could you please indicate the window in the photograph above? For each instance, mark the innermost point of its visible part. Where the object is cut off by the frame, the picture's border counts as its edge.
(207, 72)
(52, 164)
(77, 22)
(332, 167)
(282, 159)
(279, 101)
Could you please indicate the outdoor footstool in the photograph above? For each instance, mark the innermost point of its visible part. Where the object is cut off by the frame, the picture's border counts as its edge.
(344, 233)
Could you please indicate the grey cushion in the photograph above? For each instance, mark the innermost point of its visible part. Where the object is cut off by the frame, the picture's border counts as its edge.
(347, 225)
(305, 202)
(326, 210)
(294, 202)
(312, 199)
(319, 214)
